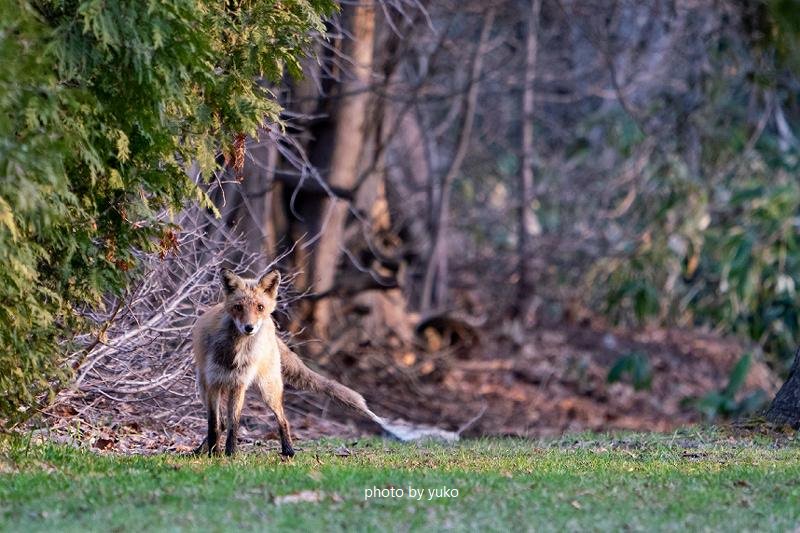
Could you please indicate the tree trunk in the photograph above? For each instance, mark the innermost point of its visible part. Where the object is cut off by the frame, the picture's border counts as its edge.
(348, 142)
(526, 219)
(785, 408)
(265, 198)
(435, 284)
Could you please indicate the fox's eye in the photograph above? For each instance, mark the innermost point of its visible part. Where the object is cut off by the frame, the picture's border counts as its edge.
(238, 307)
(260, 307)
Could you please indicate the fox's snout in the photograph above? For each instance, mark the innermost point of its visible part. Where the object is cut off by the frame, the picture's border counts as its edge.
(247, 327)
(250, 329)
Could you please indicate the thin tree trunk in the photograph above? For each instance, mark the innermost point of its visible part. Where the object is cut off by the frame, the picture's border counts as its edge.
(436, 270)
(344, 167)
(526, 218)
(270, 238)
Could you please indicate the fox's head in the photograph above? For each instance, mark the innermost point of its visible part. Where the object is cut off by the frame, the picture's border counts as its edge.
(248, 301)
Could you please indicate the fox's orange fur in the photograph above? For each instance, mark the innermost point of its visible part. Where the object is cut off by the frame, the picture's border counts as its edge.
(235, 346)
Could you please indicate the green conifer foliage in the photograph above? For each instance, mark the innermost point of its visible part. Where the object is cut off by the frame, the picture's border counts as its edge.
(103, 106)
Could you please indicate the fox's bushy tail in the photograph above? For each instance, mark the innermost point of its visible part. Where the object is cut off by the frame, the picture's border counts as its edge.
(299, 376)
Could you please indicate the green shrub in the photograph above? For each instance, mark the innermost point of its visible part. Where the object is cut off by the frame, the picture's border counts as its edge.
(740, 272)
(635, 367)
(723, 403)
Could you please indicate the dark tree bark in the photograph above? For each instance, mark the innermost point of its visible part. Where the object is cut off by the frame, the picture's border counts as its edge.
(785, 408)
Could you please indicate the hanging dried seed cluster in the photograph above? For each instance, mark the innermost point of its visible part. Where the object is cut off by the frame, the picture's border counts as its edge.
(238, 156)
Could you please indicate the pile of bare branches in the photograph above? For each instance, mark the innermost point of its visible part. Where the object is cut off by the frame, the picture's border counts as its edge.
(134, 383)
(138, 365)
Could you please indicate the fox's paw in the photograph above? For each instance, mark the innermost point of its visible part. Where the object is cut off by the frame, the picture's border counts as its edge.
(202, 449)
(287, 452)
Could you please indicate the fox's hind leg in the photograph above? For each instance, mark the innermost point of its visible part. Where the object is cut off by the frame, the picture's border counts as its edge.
(283, 430)
(272, 392)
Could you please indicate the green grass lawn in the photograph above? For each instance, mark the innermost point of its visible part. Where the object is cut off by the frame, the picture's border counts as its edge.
(687, 480)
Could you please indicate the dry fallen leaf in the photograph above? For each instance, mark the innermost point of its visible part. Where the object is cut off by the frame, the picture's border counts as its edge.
(65, 410)
(342, 452)
(426, 368)
(408, 358)
(299, 497)
(183, 448)
(103, 444)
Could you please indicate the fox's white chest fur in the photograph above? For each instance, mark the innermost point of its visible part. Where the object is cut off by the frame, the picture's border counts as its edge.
(234, 360)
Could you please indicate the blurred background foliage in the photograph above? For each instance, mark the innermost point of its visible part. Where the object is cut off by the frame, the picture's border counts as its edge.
(716, 243)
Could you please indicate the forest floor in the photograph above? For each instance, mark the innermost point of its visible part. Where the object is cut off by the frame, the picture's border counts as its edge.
(544, 381)
(556, 379)
(686, 480)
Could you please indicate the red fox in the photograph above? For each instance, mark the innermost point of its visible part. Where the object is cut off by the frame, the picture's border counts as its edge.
(235, 345)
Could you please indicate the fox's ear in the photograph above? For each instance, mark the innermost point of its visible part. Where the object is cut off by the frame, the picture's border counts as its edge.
(230, 281)
(269, 283)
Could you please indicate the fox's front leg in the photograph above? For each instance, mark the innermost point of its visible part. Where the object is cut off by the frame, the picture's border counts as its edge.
(235, 402)
(212, 404)
(203, 448)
